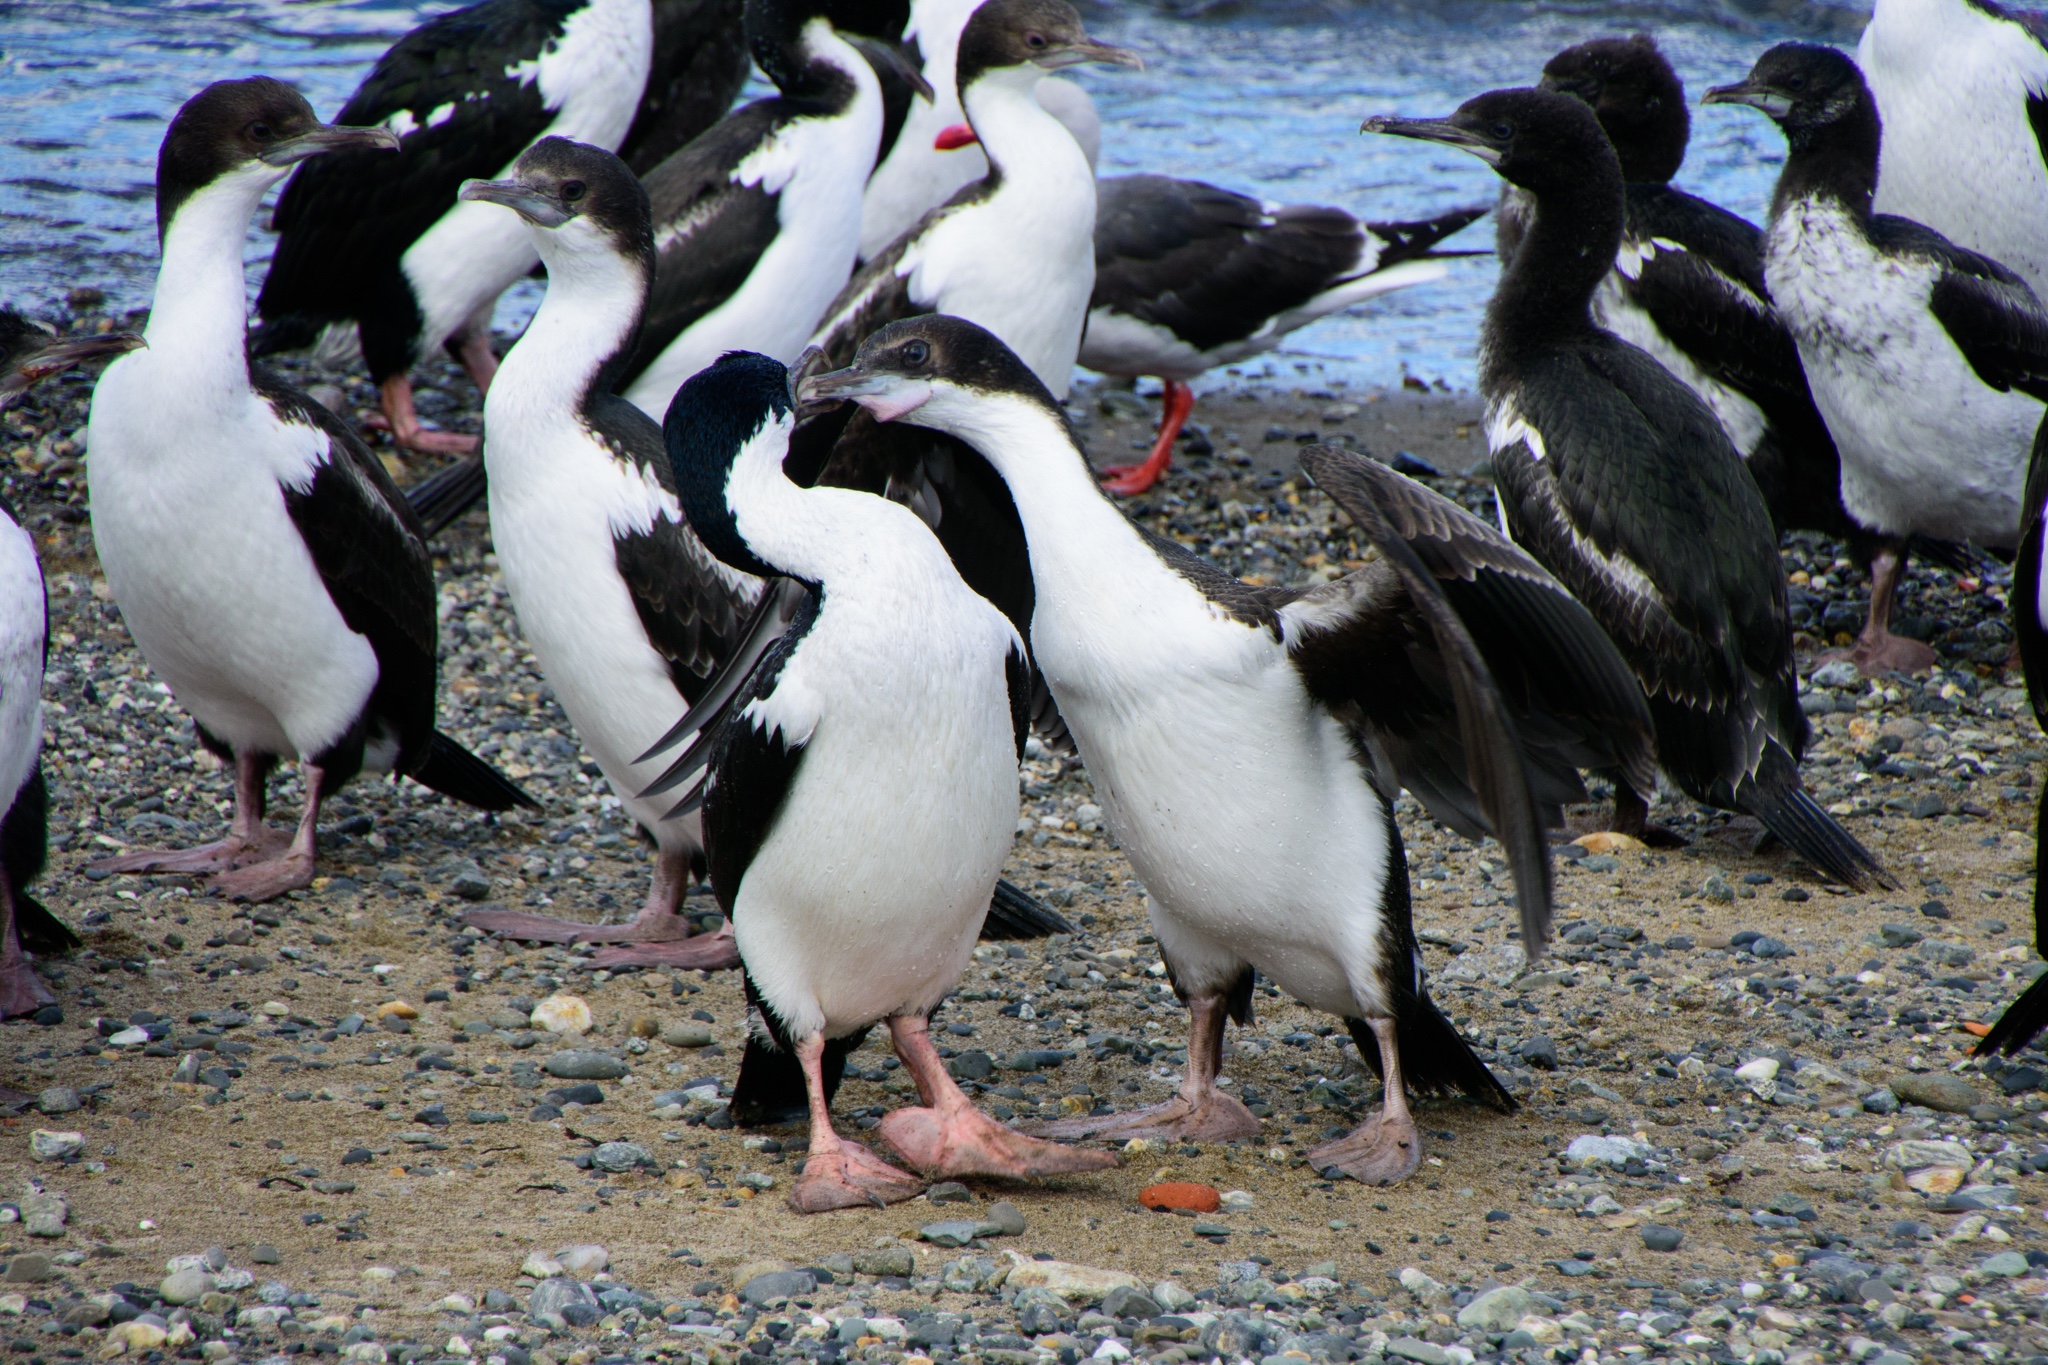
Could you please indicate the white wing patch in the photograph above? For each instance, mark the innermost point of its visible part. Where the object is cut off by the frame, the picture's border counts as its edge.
(1505, 426)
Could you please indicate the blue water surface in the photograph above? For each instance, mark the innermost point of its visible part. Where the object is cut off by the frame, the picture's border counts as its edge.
(1266, 100)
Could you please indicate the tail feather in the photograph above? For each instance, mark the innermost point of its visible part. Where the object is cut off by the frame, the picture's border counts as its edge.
(1410, 241)
(1016, 914)
(2022, 1022)
(1435, 1058)
(446, 494)
(1776, 798)
(39, 929)
(770, 1089)
(454, 771)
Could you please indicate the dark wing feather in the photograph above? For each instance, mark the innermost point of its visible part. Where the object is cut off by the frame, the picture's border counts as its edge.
(1210, 265)
(877, 295)
(1987, 310)
(700, 61)
(2029, 626)
(373, 559)
(1493, 753)
(751, 771)
(690, 606)
(345, 218)
(709, 229)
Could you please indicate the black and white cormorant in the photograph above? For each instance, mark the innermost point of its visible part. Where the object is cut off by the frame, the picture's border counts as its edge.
(1014, 252)
(1247, 742)
(933, 155)
(2025, 1018)
(263, 560)
(1962, 86)
(862, 793)
(28, 353)
(1615, 476)
(626, 611)
(381, 242)
(1688, 287)
(1929, 362)
(1189, 276)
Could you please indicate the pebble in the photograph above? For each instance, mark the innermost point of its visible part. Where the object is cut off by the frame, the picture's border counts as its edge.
(28, 1268)
(686, 1035)
(576, 1064)
(776, 1285)
(59, 1099)
(1496, 1310)
(1077, 1284)
(46, 1145)
(621, 1156)
(950, 1233)
(1938, 1091)
(1593, 1150)
(1657, 1237)
(897, 1261)
(1181, 1195)
(186, 1285)
(562, 1014)
(565, 1298)
(583, 1259)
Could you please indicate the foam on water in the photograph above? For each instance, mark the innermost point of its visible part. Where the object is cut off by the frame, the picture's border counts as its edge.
(1265, 101)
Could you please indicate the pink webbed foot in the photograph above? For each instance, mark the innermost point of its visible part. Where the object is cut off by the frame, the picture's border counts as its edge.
(705, 953)
(264, 881)
(968, 1142)
(1217, 1118)
(1887, 654)
(849, 1176)
(1381, 1151)
(551, 929)
(21, 990)
(232, 851)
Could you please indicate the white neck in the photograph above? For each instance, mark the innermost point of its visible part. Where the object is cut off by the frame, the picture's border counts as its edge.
(201, 308)
(1027, 145)
(594, 298)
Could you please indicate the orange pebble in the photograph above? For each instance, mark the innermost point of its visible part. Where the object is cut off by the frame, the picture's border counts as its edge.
(1181, 1194)
(1975, 1029)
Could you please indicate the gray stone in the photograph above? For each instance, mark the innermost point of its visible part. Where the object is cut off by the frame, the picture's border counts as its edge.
(43, 1213)
(1895, 1358)
(1497, 1310)
(59, 1099)
(1881, 1102)
(949, 1192)
(686, 1035)
(1840, 673)
(185, 1286)
(559, 1295)
(972, 1065)
(620, 1156)
(763, 1290)
(953, 1232)
(1657, 1237)
(45, 1145)
(263, 1253)
(1937, 1090)
(1421, 1352)
(1233, 1336)
(1125, 1302)
(2007, 1263)
(580, 1064)
(498, 1301)
(1007, 1219)
(28, 1268)
(901, 1261)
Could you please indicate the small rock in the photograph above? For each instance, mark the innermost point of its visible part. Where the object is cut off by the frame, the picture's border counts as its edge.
(1657, 1237)
(1881, 1102)
(949, 1192)
(59, 1099)
(1761, 1069)
(576, 1064)
(565, 1298)
(1172, 1296)
(43, 1212)
(1590, 1150)
(1006, 1218)
(1129, 1302)
(1935, 1179)
(1914, 1153)
(686, 1035)
(1840, 673)
(1497, 1310)
(28, 1268)
(139, 1334)
(396, 1009)
(2006, 1263)
(562, 1013)
(896, 1261)
(1419, 1351)
(583, 1259)
(184, 1286)
(620, 1156)
(541, 1266)
(951, 1233)
(1609, 841)
(1181, 1195)
(1937, 1090)
(1539, 1052)
(1425, 1289)
(45, 1145)
(1237, 1201)
(763, 1290)
(1077, 1284)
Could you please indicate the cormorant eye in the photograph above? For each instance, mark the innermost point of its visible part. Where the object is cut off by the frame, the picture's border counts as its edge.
(1795, 82)
(1034, 40)
(261, 131)
(573, 190)
(916, 353)
(1503, 130)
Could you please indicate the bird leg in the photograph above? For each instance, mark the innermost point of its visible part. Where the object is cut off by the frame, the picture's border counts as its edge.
(472, 347)
(948, 1136)
(1386, 1148)
(402, 420)
(1632, 817)
(1877, 651)
(289, 870)
(1201, 1112)
(1127, 480)
(840, 1173)
(21, 990)
(659, 936)
(248, 839)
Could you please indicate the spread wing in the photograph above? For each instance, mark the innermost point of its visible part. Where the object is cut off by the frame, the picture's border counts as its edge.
(460, 91)
(1344, 637)
(710, 229)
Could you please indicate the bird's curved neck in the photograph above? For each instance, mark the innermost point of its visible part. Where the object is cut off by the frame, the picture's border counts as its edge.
(586, 327)
(1837, 161)
(1574, 230)
(812, 62)
(1024, 143)
(201, 306)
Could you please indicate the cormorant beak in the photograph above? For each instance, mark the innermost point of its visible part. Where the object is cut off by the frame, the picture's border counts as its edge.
(329, 137)
(891, 58)
(1088, 50)
(1774, 103)
(810, 365)
(885, 396)
(60, 355)
(1449, 133)
(518, 196)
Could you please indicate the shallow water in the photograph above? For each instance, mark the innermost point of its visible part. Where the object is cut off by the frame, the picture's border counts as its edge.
(1264, 100)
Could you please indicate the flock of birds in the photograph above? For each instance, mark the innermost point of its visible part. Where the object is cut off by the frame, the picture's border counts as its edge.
(794, 522)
